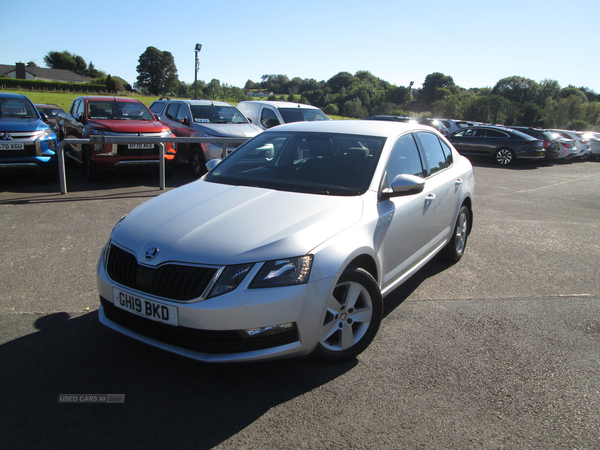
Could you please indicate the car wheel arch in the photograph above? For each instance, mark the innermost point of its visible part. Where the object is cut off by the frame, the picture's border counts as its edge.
(468, 202)
(367, 263)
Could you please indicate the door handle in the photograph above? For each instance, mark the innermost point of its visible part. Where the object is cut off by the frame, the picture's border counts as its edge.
(429, 199)
(458, 182)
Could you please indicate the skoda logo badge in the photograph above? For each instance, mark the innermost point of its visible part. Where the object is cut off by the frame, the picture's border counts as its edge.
(151, 253)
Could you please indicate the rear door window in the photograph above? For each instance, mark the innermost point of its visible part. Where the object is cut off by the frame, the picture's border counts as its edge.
(433, 152)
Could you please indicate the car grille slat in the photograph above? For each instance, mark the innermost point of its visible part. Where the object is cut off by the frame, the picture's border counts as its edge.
(172, 281)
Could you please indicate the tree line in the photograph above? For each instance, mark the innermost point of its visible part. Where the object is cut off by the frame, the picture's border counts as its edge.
(512, 101)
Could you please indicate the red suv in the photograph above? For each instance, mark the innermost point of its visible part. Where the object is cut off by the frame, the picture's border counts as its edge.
(112, 116)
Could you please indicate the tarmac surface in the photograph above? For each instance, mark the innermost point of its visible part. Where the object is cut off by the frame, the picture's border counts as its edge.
(498, 351)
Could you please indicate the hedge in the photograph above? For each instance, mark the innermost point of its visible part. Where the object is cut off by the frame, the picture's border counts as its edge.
(37, 85)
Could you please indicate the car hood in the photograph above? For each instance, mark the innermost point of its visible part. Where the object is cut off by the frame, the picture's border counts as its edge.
(20, 124)
(219, 224)
(127, 126)
(228, 129)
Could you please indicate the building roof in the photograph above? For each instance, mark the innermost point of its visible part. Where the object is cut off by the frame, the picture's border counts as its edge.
(41, 73)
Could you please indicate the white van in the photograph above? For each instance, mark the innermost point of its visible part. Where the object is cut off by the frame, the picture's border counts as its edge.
(267, 114)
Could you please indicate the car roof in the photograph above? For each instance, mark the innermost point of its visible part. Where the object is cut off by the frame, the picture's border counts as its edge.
(46, 105)
(362, 127)
(12, 95)
(201, 102)
(105, 98)
(280, 104)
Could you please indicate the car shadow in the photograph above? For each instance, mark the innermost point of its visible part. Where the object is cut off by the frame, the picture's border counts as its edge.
(120, 182)
(170, 401)
(395, 298)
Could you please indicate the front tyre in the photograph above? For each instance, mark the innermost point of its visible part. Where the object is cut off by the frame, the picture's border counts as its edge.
(354, 313)
(505, 156)
(455, 248)
(197, 162)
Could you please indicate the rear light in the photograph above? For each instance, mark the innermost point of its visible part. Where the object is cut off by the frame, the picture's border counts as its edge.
(566, 144)
(547, 144)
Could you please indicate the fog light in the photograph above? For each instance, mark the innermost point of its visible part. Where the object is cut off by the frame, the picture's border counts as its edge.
(270, 330)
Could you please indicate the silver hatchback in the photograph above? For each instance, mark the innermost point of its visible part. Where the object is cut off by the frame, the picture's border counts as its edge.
(288, 246)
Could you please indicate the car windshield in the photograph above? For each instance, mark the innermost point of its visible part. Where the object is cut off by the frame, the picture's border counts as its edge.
(118, 110)
(217, 114)
(307, 162)
(17, 107)
(301, 115)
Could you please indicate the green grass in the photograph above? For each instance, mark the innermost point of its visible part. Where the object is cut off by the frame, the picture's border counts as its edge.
(64, 99)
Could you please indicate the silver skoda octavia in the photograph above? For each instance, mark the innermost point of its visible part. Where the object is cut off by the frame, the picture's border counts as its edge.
(288, 246)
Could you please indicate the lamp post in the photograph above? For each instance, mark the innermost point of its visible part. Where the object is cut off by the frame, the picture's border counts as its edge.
(196, 50)
(410, 95)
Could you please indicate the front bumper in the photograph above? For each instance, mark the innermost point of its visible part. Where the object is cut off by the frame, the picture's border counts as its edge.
(213, 330)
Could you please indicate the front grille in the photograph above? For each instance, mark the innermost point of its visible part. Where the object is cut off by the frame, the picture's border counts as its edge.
(204, 341)
(171, 281)
(26, 137)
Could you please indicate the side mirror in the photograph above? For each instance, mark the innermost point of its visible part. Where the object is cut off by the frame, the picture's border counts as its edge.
(212, 164)
(185, 120)
(44, 117)
(404, 184)
(80, 117)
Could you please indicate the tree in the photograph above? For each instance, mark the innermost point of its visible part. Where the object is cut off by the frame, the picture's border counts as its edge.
(517, 89)
(111, 86)
(340, 81)
(548, 89)
(435, 87)
(31, 64)
(67, 61)
(157, 72)
(92, 72)
(213, 90)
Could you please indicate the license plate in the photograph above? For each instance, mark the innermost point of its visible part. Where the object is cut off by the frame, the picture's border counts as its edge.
(145, 308)
(140, 146)
(12, 146)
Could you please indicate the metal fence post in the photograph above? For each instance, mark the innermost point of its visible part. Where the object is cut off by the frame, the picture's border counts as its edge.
(61, 167)
(161, 165)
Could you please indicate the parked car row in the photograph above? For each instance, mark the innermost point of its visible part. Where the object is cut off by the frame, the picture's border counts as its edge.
(507, 144)
(118, 116)
(434, 123)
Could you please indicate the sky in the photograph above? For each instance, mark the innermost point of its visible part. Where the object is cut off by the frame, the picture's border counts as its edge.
(476, 43)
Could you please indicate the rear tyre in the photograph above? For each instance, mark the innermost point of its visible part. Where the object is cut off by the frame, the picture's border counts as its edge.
(505, 156)
(90, 171)
(455, 248)
(197, 162)
(354, 313)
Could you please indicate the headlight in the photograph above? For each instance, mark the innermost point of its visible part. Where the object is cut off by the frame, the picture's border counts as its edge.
(283, 272)
(231, 277)
(44, 134)
(166, 133)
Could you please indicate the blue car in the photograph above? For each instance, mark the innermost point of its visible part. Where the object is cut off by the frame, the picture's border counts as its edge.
(26, 141)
